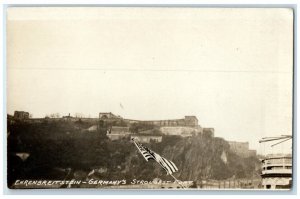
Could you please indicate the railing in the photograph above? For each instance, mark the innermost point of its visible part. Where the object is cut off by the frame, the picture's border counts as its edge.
(277, 171)
(277, 165)
(278, 161)
(254, 183)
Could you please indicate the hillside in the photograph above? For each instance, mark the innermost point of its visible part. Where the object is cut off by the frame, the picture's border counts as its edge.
(58, 147)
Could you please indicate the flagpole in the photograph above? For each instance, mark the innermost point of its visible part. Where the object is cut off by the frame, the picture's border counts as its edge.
(178, 181)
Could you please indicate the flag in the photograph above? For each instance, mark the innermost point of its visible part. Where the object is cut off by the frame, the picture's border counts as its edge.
(146, 154)
(168, 165)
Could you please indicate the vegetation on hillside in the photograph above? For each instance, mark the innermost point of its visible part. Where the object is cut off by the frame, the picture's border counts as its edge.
(57, 147)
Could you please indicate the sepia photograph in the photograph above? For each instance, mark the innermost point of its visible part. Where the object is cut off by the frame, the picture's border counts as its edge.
(149, 98)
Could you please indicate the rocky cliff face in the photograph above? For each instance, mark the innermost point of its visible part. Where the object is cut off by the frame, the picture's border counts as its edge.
(198, 157)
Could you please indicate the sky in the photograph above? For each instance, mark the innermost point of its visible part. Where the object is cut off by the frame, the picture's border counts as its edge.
(232, 68)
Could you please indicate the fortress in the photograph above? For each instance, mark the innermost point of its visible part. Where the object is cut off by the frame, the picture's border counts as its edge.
(120, 127)
(186, 121)
(185, 127)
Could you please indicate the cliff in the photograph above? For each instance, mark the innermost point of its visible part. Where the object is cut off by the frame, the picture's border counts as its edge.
(198, 157)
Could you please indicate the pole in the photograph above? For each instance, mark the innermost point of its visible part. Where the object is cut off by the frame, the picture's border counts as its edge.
(178, 181)
(281, 142)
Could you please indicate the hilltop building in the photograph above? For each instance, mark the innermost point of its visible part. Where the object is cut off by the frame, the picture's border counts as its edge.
(186, 127)
(118, 132)
(184, 131)
(241, 149)
(108, 115)
(21, 115)
(191, 121)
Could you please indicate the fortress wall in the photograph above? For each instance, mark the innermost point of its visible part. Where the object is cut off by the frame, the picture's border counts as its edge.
(181, 130)
(117, 136)
(241, 148)
(147, 138)
(175, 122)
(119, 130)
